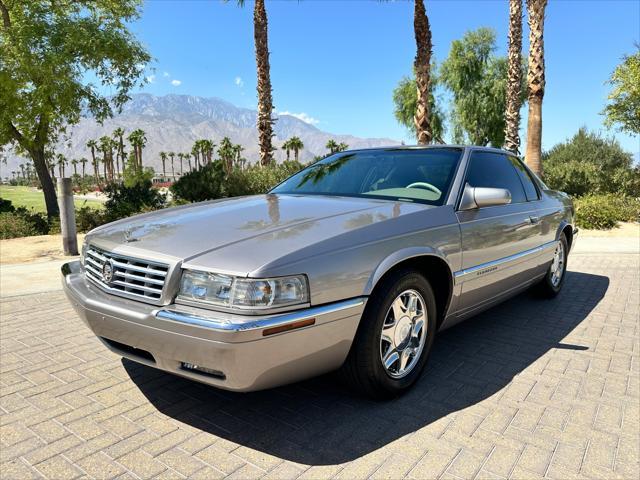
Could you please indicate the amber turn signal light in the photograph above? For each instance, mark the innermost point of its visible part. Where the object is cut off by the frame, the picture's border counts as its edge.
(289, 326)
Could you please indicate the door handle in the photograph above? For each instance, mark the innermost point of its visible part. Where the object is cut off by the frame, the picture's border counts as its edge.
(534, 220)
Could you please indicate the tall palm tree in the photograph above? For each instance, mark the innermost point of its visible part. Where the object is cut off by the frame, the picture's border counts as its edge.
(106, 146)
(514, 79)
(286, 146)
(187, 157)
(226, 153)
(296, 145)
(163, 159)
(422, 68)
(138, 140)
(535, 84)
(92, 145)
(61, 161)
(195, 151)
(75, 163)
(265, 99)
(342, 147)
(83, 161)
(237, 149)
(172, 155)
(181, 158)
(118, 136)
(332, 146)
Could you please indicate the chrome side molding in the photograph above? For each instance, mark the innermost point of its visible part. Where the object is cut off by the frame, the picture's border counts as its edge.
(461, 275)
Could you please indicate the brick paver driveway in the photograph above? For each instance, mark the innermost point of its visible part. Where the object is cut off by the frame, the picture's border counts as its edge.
(532, 388)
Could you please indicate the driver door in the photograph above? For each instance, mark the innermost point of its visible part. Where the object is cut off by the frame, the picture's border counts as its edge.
(498, 242)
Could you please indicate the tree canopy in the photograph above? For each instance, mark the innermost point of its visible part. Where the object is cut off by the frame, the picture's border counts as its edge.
(589, 164)
(477, 80)
(54, 56)
(623, 109)
(405, 100)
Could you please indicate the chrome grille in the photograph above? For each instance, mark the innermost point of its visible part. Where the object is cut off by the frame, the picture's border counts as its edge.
(125, 275)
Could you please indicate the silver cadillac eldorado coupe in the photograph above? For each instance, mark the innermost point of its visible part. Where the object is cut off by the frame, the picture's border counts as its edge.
(356, 262)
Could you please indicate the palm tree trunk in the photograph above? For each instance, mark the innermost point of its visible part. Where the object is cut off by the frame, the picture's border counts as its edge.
(265, 100)
(422, 67)
(535, 84)
(514, 78)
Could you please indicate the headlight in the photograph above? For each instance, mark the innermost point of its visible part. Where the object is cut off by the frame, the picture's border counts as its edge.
(243, 293)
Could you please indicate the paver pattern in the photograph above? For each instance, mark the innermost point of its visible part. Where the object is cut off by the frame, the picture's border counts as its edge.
(530, 389)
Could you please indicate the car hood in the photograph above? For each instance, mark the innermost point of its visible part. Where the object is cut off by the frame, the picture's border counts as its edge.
(239, 235)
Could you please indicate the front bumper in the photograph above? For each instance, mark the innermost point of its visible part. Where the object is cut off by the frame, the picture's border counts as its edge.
(233, 347)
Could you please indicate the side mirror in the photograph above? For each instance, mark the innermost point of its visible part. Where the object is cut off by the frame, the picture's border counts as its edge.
(478, 197)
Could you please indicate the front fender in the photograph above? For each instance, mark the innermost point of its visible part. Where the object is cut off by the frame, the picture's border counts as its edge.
(400, 256)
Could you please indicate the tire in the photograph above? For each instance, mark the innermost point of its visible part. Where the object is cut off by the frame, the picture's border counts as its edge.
(550, 285)
(364, 367)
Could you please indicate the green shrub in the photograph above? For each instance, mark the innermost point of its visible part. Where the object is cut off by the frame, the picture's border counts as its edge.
(21, 222)
(207, 183)
(88, 218)
(126, 200)
(601, 212)
(6, 205)
(13, 225)
(590, 164)
(212, 182)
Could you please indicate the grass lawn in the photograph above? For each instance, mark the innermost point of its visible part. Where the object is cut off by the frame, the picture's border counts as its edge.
(32, 198)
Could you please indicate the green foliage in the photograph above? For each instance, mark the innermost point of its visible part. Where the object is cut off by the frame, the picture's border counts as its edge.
(257, 180)
(50, 53)
(601, 212)
(478, 81)
(20, 222)
(126, 200)
(591, 164)
(207, 183)
(89, 218)
(405, 99)
(133, 175)
(623, 109)
(212, 182)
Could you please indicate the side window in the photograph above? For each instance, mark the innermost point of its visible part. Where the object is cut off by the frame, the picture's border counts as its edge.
(493, 170)
(525, 178)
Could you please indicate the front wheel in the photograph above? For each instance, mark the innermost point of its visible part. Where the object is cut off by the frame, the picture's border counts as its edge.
(552, 282)
(395, 336)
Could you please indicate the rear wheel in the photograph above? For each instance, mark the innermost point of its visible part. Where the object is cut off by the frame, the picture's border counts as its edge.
(395, 336)
(552, 282)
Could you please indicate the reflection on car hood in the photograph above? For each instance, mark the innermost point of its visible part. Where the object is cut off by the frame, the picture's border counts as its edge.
(260, 228)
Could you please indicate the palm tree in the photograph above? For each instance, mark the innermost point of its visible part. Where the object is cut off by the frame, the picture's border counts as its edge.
(535, 84)
(83, 161)
(286, 146)
(265, 99)
(514, 78)
(61, 161)
(187, 156)
(342, 147)
(181, 158)
(138, 140)
(118, 136)
(332, 146)
(195, 151)
(92, 144)
(163, 159)
(422, 67)
(21, 166)
(226, 153)
(106, 146)
(173, 172)
(75, 163)
(237, 149)
(296, 145)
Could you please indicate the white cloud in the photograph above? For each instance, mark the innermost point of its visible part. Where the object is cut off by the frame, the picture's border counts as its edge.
(239, 82)
(302, 116)
(151, 78)
(176, 83)
(165, 74)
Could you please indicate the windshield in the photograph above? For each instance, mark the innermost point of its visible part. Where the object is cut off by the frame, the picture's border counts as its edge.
(420, 175)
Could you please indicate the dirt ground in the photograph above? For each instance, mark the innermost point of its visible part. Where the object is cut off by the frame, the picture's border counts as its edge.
(40, 248)
(49, 247)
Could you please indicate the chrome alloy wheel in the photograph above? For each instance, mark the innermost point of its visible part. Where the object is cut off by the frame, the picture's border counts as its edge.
(403, 335)
(557, 267)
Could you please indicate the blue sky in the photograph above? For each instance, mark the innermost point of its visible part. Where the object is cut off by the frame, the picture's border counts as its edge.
(337, 62)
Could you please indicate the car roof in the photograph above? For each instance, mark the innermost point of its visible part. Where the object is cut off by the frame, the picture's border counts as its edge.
(426, 147)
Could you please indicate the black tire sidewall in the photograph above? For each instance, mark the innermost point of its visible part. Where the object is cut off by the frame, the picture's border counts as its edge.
(554, 290)
(375, 317)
